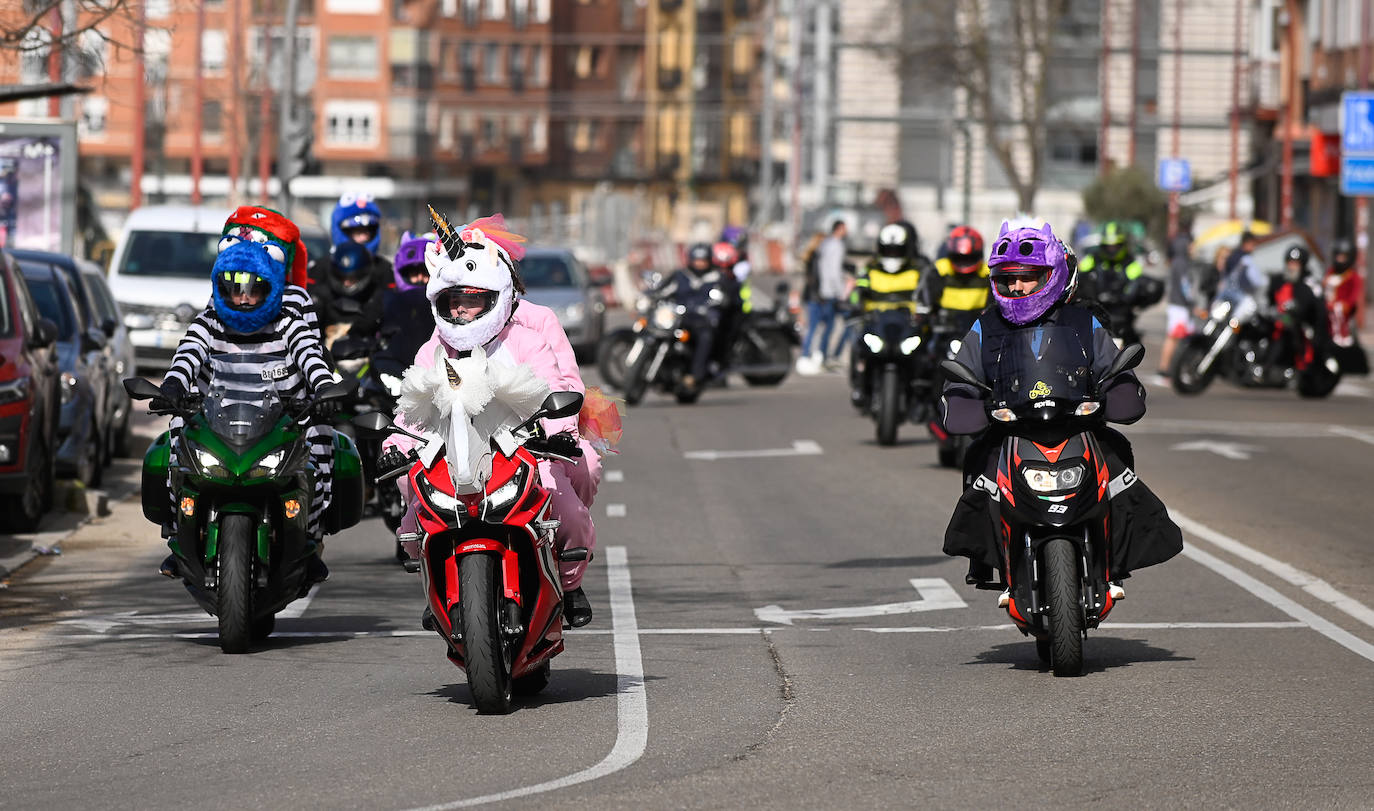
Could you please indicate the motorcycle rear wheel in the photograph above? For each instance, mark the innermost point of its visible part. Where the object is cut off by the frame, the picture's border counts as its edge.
(1185, 375)
(888, 396)
(1317, 385)
(1065, 597)
(610, 357)
(779, 352)
(487, 656)
(235, 610)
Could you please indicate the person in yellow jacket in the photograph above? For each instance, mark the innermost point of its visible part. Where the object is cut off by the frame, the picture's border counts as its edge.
(1110, 266)
(958, 290)
(889, 282)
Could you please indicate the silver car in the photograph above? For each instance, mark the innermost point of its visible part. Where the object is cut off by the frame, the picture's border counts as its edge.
(556, 279)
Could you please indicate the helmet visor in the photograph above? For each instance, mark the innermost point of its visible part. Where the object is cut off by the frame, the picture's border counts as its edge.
(1019, 281)
(893, 250)
(463, 305)
(241, 290)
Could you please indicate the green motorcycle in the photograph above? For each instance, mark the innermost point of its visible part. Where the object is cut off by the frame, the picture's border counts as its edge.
(243, 481)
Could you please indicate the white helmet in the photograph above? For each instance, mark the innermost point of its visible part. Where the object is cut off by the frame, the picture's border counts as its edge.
(472, 282)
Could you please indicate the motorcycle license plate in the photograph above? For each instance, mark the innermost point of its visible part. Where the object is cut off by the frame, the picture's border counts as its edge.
(635, 351)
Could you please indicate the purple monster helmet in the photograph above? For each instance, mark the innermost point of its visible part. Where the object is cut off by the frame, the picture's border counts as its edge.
(1030, 254)
(410, 261)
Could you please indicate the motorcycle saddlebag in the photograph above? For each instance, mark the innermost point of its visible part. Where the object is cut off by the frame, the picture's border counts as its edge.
(157, 505)
(346, 503)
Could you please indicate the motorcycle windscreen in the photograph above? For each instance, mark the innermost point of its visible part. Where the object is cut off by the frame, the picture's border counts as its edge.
(1039, 367)
(243, 404)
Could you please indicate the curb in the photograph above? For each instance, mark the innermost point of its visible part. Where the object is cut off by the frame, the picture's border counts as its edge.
(79, 505)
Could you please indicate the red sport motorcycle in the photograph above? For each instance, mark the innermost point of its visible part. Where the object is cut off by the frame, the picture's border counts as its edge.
(488, 560)
(1050, 497)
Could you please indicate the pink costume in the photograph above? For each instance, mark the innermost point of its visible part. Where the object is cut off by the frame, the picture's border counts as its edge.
(572, 487)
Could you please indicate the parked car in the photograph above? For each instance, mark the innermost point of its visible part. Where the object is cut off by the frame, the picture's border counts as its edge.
(121, 349)
(29, 404)
(111, 387)
(80, 357)
(558, 280)
(160, 275)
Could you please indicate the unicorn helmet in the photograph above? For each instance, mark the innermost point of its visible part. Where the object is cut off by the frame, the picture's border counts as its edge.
(410, 261)
(1032, 272)
(472, 279)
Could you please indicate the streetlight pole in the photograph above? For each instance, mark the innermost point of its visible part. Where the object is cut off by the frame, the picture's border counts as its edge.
(770, 43)
(1178, 113)
(286, 116)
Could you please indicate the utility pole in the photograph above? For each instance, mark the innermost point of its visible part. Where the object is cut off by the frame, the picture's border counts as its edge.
(55, 54)
(1362, 203)
(1178, 112)
(796, 31)
(264, 109)
(198, 113)
(1235, 104)
(1104, 71)
(287, 110)
(235, 96)
(140, 109)
(821, 130)
(1289, 120)
(1132, 94)
(770, 44)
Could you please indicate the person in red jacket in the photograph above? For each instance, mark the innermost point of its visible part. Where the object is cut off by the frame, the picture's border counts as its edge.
(1345, 302)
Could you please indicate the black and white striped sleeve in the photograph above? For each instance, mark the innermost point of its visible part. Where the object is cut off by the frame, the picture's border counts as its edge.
(192, 352)
(303, 342)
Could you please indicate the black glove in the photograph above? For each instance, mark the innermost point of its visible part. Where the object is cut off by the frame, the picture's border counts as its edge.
(324, 410)
(172, 390)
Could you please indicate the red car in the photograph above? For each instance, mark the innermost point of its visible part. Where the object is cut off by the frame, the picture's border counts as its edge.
(29, 404)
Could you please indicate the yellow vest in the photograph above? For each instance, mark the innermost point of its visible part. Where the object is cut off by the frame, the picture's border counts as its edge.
(963, 291)
(878, 289)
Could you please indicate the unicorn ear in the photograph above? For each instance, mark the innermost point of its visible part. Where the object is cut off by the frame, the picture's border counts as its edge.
(1006, 226)
(1047, 231)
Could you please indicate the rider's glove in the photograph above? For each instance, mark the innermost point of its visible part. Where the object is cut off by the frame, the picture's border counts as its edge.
(175, 393)
(324, 410)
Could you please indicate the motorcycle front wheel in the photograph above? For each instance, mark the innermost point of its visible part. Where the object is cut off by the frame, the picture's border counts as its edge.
(1187, 377)
(610, 357)
(235, 610)
(888, 395)
(486, 654)
(1314, 385)
(636, 379)
(1065, 598)
(778, 352)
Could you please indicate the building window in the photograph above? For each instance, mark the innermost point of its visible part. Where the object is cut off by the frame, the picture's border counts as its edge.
(538, 70)
(518, 75)
(496, 9)
(214, 51)
(491, 62)
(588, 61)
(212, 117)
(157, 9)
(94, 110)
(351, 123)
(91, 54)
(491, 131)
(541, 11)
(539, 133)
(352, 57)
(471, 10)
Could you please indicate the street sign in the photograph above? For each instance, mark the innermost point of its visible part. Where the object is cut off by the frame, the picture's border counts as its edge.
(1357, 122)
(1357, 175)
(1175, 174)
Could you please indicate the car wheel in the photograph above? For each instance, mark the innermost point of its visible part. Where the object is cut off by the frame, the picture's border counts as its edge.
(23, 511)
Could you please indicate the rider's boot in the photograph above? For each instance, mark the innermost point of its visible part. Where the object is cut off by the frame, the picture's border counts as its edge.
(577, 609)
(979, 573)
(315, 570)
(169, 567)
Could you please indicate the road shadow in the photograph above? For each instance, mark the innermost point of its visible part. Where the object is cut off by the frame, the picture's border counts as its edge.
(566, 686)
(1101, 653)
(902, 442)
(887, 563)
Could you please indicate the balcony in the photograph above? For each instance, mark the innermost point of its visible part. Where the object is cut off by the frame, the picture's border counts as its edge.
(669, 79)
(667, 166)
(517, 81)
(415, 76)
(469, 79)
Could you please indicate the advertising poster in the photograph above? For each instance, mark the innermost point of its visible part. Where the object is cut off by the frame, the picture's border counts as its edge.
(31, 192)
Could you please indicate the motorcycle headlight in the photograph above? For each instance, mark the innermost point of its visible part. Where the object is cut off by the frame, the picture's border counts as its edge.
(1086, 408)
(503, 498)
(438, 498)
(1220, 310)
(665, 316)
(909, 345)
(873, 342)
(1049, 480)
(574, 312)
(268, 465)
(210, 464)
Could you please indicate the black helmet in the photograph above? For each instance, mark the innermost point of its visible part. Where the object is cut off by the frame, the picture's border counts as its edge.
(1300, 254)
(1342, 254)
(700, 252)
(897, 240)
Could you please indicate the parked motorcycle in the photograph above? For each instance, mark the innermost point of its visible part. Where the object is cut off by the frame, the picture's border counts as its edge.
(888, 371)
(1236, 342)
(243, 482)
(1050, 497)
(488, 560)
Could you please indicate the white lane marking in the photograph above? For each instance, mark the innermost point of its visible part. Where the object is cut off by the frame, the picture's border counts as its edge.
(754, 631)
(936, 594)
(1349, 389)
(1365, 436)
(615, 476)
(1250, 430)
(1311, 584)
(1268, 594)
(615, 510)
(295, 610)
(1226, 450)
(801, 447)
(632, 708)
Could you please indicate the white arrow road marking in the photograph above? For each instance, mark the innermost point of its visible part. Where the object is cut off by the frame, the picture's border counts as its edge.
(615, 475)
(936, 594)
(1227, 450)
(801, 447)
(103, 624)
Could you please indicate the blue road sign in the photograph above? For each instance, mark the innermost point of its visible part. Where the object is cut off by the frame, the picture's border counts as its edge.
(1357, 122)
(1357, 175)
(1175, 174)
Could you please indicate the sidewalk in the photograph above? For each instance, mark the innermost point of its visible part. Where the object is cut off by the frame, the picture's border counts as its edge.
(76, 506)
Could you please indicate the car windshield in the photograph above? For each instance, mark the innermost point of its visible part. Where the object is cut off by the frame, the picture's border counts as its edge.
(1040, 366)
(48, 298)
(242, 403)
(170, 253)
(546, 270)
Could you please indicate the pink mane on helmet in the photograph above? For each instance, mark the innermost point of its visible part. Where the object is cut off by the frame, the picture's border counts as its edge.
(494, 229)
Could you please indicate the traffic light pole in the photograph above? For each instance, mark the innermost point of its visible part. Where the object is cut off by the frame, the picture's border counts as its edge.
(286, 120)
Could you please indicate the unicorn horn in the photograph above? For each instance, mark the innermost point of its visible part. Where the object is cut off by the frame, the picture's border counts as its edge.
(453, 244)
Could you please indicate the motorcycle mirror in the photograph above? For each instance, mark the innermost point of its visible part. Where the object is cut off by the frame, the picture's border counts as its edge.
(140, 389)
(338, 391)
(1126, 359)
(577, 553)
(373, 421)
(959, 373)
(561, 404)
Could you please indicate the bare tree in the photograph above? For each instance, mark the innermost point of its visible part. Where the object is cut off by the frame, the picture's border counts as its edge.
(998, 53)
(29, 25)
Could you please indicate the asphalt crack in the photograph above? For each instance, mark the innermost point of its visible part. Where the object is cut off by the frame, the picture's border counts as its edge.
(785, 692)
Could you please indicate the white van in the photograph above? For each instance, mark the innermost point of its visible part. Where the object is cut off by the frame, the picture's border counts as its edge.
(160, 274)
